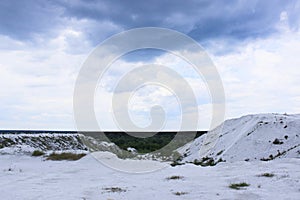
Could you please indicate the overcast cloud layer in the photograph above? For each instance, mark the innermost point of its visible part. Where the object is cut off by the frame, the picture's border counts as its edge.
(254, 44)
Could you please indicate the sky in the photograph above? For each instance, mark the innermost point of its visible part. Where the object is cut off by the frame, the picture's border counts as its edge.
(254, 45)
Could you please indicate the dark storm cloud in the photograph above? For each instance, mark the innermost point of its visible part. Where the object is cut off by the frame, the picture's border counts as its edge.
(200, 19)
(22, 20)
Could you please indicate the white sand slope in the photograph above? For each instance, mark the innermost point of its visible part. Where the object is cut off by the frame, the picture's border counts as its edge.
(252, 137)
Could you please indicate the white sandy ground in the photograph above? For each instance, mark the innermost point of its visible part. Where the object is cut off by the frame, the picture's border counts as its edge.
(129, 165)
(24, 177)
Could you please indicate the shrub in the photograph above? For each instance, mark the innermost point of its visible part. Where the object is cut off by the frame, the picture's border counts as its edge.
(180, 193)
(114, 189)
(220, 152)
(266, 175)
(175, 177)
(196, 162)
(65, 156)
(207, 161)
(37, 153)
(277, 141)
(175, 163)
(271, 157)
(238, 186)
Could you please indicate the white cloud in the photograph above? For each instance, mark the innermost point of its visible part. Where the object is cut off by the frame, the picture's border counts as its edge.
(37, 86)
(143, 99)
(37, 82)
(262, 75)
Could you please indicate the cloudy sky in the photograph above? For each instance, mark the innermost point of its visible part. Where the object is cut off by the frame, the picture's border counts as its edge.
(254, 45)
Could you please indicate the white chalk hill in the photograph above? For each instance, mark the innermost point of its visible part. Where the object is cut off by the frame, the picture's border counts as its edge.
(252, 137)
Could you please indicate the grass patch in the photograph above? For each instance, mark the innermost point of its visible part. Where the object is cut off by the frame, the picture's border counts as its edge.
(37, 153)
(175, 177)
(180, 193)
(270, 175)
(238, 186)
(65, 156)
(271, 157)
(114, 189)
(207, 161)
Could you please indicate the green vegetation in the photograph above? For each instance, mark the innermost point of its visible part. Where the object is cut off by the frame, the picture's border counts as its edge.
(151, 143)
(65, 156)
(238, 186)
(37, 153)
(175, 177)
